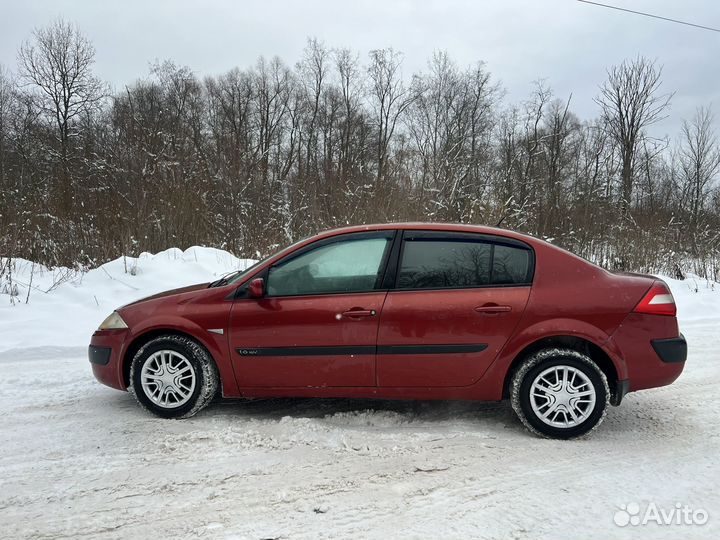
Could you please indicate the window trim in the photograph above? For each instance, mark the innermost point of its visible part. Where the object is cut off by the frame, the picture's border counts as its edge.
(380, 284)
(464, 236)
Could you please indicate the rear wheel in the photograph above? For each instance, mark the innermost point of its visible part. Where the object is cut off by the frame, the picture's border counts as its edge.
(560, 393)
(173, 377)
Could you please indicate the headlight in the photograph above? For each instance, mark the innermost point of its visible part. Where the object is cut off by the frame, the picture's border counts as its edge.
(113, 322)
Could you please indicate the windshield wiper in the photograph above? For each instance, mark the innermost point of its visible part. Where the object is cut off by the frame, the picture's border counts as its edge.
(230, 276)
(224, 279)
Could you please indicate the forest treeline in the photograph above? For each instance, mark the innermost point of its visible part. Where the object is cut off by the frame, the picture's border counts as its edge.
(262, 155)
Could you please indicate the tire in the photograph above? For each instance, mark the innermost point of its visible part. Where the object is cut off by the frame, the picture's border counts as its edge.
(173, 377)
(560, 393)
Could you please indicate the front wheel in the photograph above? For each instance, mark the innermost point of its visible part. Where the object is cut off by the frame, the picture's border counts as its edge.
(173, 377)
(560, 393)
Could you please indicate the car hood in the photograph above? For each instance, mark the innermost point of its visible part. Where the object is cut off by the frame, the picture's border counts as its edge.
(189, 288)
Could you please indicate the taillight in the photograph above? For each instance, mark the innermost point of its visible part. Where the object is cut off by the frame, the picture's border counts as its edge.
(658, 301)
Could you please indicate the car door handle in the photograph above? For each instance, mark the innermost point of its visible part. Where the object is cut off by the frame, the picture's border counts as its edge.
(351, 313)
(493, 309)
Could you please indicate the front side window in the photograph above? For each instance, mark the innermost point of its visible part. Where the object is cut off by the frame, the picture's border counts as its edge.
(352, 265)
(440, 263)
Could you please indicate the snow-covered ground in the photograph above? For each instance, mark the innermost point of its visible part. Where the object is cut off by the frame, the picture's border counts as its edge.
(78, 459)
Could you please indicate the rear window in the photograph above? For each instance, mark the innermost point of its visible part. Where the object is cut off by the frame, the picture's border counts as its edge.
(448, 263)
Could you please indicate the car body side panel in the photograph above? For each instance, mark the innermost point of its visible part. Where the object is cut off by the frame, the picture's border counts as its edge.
(494, 378)
(202, 314)
(473, 392)
(417, 319)
(569, 287)
(570, 297)
(633, 338)
(305, 340)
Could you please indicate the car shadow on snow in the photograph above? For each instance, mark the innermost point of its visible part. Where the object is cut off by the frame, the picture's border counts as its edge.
(372, 413)
(640, 416)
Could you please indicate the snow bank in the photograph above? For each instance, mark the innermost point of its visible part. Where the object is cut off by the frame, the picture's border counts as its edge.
(65, 306)
(696, 298)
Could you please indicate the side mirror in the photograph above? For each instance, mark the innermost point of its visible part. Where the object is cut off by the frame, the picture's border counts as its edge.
(256, 288)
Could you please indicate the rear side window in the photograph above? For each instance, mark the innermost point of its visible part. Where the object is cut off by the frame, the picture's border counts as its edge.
(511, 266)
(429, 263)
(437, 264)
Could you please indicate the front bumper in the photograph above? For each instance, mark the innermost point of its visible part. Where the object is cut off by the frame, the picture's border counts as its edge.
(99, 355)
(105, 354)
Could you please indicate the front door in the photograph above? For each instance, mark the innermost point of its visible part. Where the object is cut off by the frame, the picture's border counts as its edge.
(317, 324)
(457, 300)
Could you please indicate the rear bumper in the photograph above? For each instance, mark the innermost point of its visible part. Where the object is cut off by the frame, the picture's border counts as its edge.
(105, 355)
(653, 349)
(673, 350)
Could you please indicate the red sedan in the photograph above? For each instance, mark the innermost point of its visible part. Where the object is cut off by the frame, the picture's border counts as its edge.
(403, 311)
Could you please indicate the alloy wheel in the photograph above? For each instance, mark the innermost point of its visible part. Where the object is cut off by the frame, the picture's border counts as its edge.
(562, 396)
(168, 379)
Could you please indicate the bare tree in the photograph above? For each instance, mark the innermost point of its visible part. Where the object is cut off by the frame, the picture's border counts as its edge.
(557, 143)
(6, 91)
(700, 163)
(631, 101)
(449, 122)
(354, 134)
(8, 226)
(56, 64)
(313, 70)
(232, 140)
(389, 98)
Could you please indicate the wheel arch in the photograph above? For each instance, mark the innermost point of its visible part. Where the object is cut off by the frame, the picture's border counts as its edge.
(143, 338)
(580, 344)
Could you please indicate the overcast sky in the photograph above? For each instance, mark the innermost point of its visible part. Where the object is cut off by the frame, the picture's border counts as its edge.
(566, 42)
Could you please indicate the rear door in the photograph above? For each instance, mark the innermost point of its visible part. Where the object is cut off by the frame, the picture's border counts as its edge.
(318, 321)
(457, 299)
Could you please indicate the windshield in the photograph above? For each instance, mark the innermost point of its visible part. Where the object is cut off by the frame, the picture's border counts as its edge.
(242, 274)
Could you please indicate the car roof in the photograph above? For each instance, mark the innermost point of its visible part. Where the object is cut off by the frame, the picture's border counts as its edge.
(424, 226)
